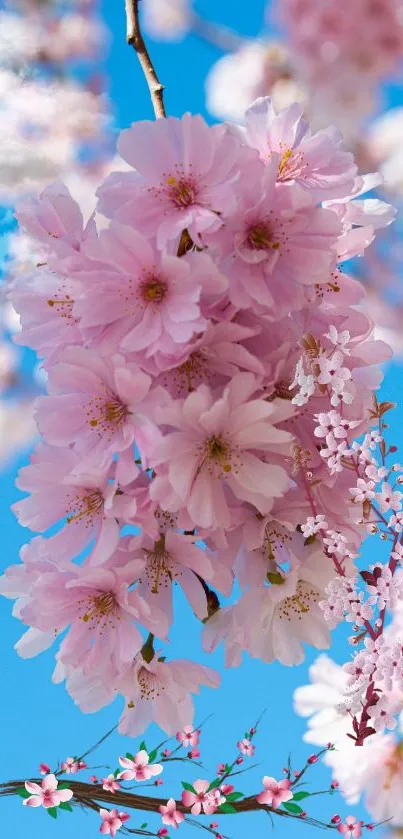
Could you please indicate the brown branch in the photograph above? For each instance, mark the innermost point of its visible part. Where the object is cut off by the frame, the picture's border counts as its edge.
(88, 794)
(135, 39)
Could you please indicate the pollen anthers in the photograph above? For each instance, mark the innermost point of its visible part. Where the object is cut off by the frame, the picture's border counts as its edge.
(99, 610)
(219, 455)
(85, 508)
(150, 685)
(291, 165)
(105, 413)
(179, 187)
(153, 289)
(62, 303)
(160, 569)
(300, 603)
(260, 236)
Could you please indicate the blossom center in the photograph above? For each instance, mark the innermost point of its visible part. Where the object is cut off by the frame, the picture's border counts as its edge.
(99, 607)
(159, 569)
(106, 413)
(87, 506)
(182, 191)
(291, 165)
(150, 686)
(259, 237)
(63, 306)
(218, 450)
(300, 603)
(154, 289)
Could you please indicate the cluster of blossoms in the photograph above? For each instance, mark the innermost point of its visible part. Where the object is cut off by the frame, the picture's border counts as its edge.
(54, 120)
(378, 774)
(192, 340)
(199, 798)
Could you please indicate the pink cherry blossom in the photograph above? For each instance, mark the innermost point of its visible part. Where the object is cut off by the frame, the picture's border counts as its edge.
(139, 769)
(170, 815)
(46, 794)
(217, 441)
(316, 162)
(185, 171)
(275, 792)
(101, 405)
(351, 827)
(112, 821)
(246, 747)
(160, 691)
(110, 784)
(201, 800)
(188, 736)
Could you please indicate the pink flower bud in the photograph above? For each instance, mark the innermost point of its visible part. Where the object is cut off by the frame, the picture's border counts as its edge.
(370, 826)
(335, 819)
(194, 753)
(334, 784)
(313, 759)
(94, 779)
(44, 769)
(166, 752)
(163, 831)
(239, 760)
(158, 782)
(213, 825)
(303, 815)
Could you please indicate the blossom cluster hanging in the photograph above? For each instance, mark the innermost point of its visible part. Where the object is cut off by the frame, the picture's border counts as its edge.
(208, 367)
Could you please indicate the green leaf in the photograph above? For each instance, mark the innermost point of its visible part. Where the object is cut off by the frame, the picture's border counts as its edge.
(116, 773)
(226, 808)
(23, 793)
(214, 784)
(129, 756)
(64, 785)
(292, 808)
(153, 755)
(143, 826)
(64, 805)
(233, 796)
(188, 787)
(142, 746)
(52, 812)
(298, 796)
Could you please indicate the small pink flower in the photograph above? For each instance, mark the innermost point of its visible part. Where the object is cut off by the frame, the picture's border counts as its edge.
(220, 768)
(201, 799)
(46, 794)
(162, 831)
(94, 779)
(351, 828)
(70, 766)
(166, 752)
(275, 792)
(110, 783)
(44, 769)
(246, 747)
(158, 782)
(112, 821)
(169, 813)
(139, 768)
(188, 736)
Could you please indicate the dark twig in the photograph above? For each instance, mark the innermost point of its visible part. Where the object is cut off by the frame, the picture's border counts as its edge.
(136, 40)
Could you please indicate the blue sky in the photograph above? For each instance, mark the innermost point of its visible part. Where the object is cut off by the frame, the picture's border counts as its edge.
(39, 720)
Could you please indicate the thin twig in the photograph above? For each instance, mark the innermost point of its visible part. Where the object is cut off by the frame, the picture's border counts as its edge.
(216, 34)
(136, 40)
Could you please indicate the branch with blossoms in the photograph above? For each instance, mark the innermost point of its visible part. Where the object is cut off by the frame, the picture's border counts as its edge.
(198, 799)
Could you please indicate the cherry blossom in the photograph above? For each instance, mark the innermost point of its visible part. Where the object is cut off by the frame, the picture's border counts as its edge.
(112, 821)
(138, 769)
(275, 792)
(201, 800)
(188, 736)
(110, 784)
(351, 827)
(170, 815)
(46, 794)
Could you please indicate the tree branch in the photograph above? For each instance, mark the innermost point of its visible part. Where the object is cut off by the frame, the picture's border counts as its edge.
(88, 794)
(135, 39)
